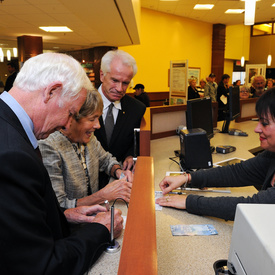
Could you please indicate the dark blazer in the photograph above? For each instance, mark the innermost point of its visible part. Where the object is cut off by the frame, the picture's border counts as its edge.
(35, 236)
(193, 94)
(9, 81)
(122, 140)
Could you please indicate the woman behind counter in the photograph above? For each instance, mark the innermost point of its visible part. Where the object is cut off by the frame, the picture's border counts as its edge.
(74, 157)
(192, 91)
(259, 170)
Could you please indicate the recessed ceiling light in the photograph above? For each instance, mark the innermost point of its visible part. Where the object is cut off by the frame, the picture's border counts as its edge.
(273, 5)
(55, 29)
(235, 11)
(203, 7)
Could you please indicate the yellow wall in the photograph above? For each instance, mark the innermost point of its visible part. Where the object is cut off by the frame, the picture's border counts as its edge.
(237, 42)
(165, 37)
(228, 69)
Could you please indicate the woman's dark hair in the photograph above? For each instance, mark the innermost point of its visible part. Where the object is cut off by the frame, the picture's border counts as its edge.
(266, 104)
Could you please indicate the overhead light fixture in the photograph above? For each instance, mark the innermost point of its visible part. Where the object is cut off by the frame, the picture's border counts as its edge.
(1, 55)
(249, 14)
(269, 57)
(273, 5)
(203, 7)
(55, 29)
(235, 11)
(8, 55)
(15, 53)
(269, 60)
(242, 61)
(242, 58)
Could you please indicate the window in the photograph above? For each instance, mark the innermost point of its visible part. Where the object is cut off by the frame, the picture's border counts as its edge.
(263, 29)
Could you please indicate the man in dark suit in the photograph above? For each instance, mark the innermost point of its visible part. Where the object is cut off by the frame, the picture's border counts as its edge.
(117, 70)
(12, 68)
(35, 234)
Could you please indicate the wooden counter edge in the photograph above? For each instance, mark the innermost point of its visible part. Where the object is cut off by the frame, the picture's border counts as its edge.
(139, 248)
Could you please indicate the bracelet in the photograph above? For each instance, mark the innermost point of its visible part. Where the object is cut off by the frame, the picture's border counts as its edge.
(115, 172)
(186, 181)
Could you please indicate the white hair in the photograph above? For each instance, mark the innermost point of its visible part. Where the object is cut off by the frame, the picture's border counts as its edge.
(255, 77)
(40, 71)
(125, 57)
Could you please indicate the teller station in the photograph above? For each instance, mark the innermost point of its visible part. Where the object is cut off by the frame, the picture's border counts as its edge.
(147, 244)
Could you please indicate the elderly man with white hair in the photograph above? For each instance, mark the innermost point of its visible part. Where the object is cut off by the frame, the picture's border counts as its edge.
(258, 85)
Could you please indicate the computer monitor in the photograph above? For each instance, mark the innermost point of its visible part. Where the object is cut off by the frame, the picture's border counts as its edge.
(252, 248)
(199, 115)
(195, 150)
(233, 107)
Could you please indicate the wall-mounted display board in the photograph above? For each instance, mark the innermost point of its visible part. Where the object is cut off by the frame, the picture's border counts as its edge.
(252, 70)
(194, 73)
(178, 81)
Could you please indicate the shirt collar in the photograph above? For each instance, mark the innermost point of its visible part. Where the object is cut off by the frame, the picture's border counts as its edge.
(23, 117)
(107, 102)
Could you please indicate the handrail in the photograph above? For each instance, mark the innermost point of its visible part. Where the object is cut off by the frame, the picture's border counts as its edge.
(139, 248)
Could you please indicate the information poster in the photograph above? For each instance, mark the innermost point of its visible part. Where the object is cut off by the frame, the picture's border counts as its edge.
(178, 81)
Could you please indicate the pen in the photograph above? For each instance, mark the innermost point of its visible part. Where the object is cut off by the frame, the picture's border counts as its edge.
(206, 190)
(177, 193)
(107, 205)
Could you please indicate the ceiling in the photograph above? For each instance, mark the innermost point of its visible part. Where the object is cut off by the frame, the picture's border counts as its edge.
(264, 10)
(94, 22)
(104, 22)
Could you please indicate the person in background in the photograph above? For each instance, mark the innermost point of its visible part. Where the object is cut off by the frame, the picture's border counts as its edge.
(116, 133)
(222, 96)
(1, 86)
(269, 83)
(259, 170)
(35, 232)
(237, 83)
(244, 92)
(258, 85)
(73, 157)
(12, 68)
(202, 85)
(192, 91)
(141, 95)
(211, 87)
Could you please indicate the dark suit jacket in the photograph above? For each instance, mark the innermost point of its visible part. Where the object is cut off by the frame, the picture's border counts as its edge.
(35, 236)
(9, 81)
(122, 140)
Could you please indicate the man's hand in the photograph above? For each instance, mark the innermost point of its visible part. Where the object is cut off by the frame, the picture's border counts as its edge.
(128, 163)
(83, 214)
(105, 219)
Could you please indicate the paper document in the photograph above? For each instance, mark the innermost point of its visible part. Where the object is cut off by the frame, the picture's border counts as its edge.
(158, 194)
(193, 230)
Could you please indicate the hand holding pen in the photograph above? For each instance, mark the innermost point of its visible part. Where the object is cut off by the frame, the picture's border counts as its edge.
(107, 205)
